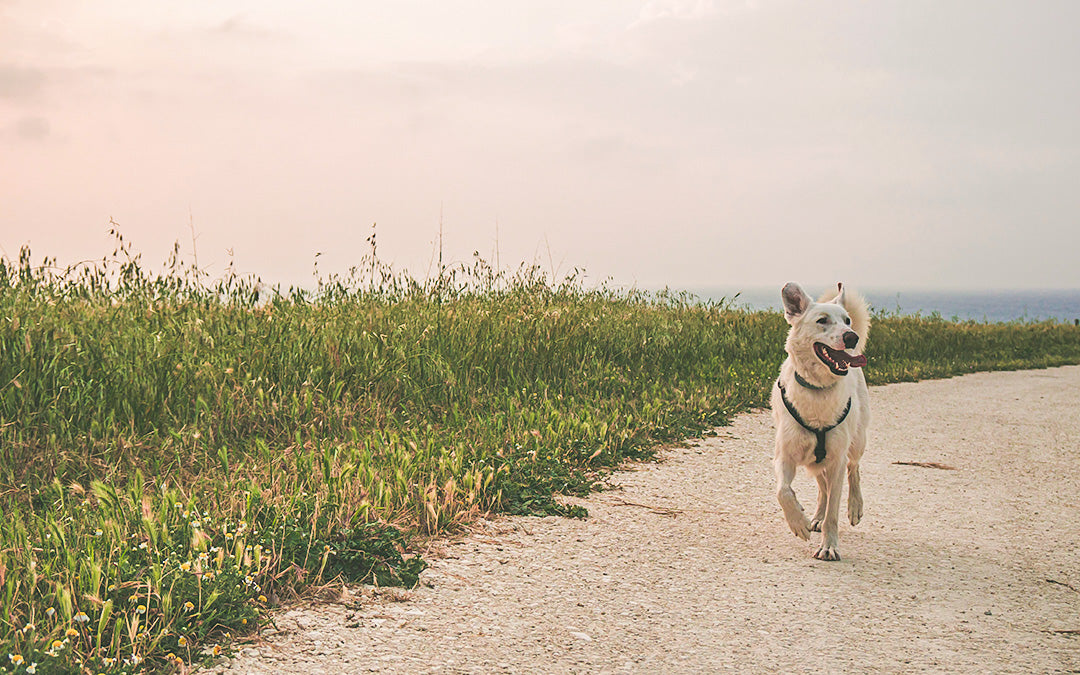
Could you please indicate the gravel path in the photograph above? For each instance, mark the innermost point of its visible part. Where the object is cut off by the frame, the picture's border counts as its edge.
(687, 565)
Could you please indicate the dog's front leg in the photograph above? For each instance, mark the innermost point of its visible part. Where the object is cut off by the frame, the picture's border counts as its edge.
(830, 530)
(793, 511)
(822, 503)
(854, 497)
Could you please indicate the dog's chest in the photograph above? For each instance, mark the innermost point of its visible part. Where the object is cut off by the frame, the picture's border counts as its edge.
(820, 410)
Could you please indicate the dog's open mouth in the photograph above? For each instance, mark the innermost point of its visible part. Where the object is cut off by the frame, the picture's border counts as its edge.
(838, 360)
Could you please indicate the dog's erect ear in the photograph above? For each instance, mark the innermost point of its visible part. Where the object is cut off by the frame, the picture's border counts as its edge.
(795, 301)
(839, 299)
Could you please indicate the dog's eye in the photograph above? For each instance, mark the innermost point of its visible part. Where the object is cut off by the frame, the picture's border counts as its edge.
(847, 320)
(823, 320)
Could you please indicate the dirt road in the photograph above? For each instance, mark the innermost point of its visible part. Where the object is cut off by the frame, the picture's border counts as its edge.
(687, 566)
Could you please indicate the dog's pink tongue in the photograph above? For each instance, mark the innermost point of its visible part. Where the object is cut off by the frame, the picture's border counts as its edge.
(857, 361)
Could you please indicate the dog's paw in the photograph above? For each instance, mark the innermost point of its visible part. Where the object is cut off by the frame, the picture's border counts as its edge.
(800, 527)
(854, 510)
(827, 553)
(815, 525)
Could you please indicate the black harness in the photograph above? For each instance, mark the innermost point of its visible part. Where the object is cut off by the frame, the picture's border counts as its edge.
(801, 380)
(819, 449)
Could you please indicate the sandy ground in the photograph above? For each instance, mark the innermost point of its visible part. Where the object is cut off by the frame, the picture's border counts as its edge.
(687, 566)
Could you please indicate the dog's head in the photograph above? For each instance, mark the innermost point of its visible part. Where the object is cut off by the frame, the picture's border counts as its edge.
(821, 339)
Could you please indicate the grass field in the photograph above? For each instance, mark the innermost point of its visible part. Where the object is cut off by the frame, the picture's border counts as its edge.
(179, 454)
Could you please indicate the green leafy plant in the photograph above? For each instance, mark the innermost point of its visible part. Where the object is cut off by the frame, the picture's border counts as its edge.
(178, 454)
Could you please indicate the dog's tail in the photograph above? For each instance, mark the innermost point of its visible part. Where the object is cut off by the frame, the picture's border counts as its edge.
(856, 307)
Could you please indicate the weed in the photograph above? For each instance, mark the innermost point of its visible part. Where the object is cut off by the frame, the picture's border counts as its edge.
(179, 454)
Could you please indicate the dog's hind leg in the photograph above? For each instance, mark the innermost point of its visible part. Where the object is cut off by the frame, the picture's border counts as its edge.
(822, 502)
(830, 531)
(793, 511)
(854, 497)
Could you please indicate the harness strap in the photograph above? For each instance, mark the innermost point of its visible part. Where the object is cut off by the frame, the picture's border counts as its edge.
(802, 380)
(819, 448)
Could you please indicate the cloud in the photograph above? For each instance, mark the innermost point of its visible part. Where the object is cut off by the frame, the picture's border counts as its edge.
(32, 128)
(17, 82)
(24, 85)
(239, 25)
(683, 75)
(685, 10)
(728, 127)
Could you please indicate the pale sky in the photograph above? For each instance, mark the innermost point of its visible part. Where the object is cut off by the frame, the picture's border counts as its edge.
(689, 143)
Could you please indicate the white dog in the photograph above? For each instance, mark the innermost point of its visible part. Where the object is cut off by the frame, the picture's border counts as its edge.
(821, 409)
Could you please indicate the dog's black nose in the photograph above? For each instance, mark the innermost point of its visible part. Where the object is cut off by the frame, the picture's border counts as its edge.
(851, 339)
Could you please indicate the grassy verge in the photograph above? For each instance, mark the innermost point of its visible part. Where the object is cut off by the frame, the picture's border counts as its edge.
(178, 455)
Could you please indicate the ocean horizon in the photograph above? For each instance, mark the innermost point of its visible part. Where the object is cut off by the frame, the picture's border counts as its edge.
(991, 306)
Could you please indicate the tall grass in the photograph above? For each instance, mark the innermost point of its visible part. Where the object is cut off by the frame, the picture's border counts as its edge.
(178, 453)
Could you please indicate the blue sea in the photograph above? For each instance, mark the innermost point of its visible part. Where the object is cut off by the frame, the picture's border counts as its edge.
(983, 306)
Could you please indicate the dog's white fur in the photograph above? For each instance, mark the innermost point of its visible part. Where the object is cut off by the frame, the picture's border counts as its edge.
(825, 321)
